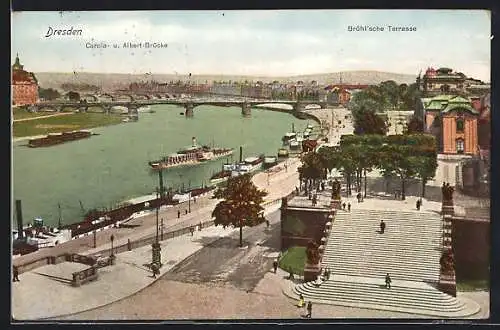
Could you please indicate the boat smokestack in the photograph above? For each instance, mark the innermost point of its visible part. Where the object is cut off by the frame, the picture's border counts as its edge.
(19, 216)
(193, 139)
(293, 128)
(241, 154)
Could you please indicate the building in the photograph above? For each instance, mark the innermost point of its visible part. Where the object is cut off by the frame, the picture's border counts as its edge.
(24, 85)
(453, 121)
(445, 81)
(342, 93)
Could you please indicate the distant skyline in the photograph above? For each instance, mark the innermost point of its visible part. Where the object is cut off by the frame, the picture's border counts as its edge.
(256, 43)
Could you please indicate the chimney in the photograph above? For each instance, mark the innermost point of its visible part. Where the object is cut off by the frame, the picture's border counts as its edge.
(241, 154)
(19, 216)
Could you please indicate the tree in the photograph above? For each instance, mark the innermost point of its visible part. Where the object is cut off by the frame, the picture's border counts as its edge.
(426, 170)
(368, 122)
(313, 168)
(397, 159)
(241, 204)
(391, 92)
(48, 94)
(414, 126)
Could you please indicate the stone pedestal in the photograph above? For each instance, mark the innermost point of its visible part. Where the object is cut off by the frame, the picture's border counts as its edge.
(336, 204)
(447, 208)
(448, 284)
(311, 272)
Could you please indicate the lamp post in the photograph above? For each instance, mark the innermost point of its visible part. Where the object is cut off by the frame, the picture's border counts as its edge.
(112, 255)
(156, 249)
(189, 203)
(161, 238)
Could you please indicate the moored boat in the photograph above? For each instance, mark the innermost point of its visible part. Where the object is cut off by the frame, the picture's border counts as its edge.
(270, 161)
(294, 144)
(283, 152)
(58, 138)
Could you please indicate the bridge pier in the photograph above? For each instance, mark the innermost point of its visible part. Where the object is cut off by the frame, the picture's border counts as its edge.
(189, 110)
(246, 109)
(298, 107)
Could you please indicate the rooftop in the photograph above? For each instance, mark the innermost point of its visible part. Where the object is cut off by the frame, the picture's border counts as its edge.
(323, 202)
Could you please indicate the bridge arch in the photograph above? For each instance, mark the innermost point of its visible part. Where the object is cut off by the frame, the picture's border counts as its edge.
(282, 106)
(141, 97)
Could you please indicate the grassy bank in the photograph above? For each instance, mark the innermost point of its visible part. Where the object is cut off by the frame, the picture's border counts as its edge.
(473, 285)
(23, 114)
(64, 123)
(293, 260)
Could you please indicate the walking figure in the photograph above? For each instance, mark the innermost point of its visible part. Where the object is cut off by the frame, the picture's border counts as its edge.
(200, 226)
(275, 265)
(192, 231)
(267, 224)
(343, 206)
(301, 302)
(419, 203)
(349, 207)
(15, 273)
(178, 214)
(309, 310)
(185, 211)
(155, 269)
(382, 226)
(388, 281)
(358, 196)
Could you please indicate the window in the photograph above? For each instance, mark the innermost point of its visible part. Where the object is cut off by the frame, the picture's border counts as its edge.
(460, 125)
(460, 146)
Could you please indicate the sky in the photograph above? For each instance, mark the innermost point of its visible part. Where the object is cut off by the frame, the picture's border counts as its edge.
(264, 42)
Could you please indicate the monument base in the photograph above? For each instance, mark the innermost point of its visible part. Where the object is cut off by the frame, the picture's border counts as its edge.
(311, 272)
(336, 204)
(447, 209)
(448, 284)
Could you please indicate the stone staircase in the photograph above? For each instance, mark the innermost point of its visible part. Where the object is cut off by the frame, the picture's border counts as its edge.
(359, 257)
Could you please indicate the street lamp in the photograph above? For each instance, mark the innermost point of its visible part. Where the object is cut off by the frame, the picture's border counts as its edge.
(156, 249)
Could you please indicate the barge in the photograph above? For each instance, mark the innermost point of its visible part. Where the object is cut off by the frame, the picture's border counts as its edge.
(58, 138)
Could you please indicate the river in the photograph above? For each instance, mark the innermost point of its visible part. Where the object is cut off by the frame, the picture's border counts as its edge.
(112, 167)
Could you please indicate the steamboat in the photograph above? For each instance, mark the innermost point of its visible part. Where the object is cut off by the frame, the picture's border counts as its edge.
(192, 155)
(58, 138)
(247, 165)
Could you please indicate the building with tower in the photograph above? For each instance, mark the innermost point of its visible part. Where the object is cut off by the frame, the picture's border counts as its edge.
(24, 85)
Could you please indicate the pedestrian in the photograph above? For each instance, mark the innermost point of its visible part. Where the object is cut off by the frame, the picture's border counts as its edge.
(267, 224)
(418, 204)
(309, 310)
(15, 273)
(185, 211)
(343, 206)
(178, 214)
(129, 245)
(297, 190)
(301, 302)
(382, 226)
(275, 265)
(191, 229)
(388, 281)
(358, 196)
(200, 226)
(349, 207)
(322, 186)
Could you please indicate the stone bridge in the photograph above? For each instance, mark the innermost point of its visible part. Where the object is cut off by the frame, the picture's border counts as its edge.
(188, 104)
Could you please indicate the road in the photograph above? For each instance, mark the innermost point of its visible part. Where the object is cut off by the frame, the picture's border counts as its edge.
(223, 263)
(43, 117)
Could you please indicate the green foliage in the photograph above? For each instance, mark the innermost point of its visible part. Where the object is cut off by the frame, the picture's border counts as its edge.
(48, 94)
(313, 166)
(241, 204)
(414, 126)
(293, 225)
(293, 260)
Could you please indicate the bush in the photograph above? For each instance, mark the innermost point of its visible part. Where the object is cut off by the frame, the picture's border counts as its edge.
(293, 260)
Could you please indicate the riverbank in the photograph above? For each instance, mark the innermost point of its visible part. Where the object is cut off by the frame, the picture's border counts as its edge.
(27, 129)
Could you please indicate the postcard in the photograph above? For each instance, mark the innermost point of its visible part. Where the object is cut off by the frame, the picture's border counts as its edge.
(257, 165)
